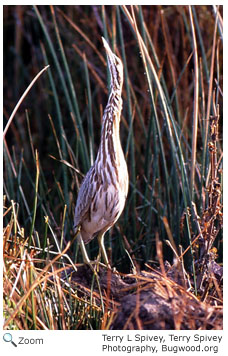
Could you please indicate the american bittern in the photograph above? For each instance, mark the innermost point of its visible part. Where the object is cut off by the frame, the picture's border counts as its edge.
(103, 192)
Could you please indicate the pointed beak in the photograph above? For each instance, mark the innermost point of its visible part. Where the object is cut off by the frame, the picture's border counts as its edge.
(115, 67)
(109, 52)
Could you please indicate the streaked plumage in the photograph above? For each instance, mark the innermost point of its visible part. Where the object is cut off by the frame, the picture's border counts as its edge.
(103, 192)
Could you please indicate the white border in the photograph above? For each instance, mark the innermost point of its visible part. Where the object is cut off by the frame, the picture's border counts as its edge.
(85, 342)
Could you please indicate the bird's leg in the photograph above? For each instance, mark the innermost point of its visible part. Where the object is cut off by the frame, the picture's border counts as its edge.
(102, 250)
(85, 256)
(87, 261)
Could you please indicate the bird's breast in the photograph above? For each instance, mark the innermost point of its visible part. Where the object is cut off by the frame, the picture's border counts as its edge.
(105, 208)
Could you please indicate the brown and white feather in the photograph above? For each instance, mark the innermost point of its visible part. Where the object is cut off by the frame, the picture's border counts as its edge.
(103, 192)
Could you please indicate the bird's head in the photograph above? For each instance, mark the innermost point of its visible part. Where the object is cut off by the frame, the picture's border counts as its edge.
(115, 66)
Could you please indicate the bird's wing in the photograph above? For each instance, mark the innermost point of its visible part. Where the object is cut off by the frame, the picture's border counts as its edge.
(84, 199)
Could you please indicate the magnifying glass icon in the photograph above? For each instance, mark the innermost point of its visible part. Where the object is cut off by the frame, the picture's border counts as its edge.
(7, 337)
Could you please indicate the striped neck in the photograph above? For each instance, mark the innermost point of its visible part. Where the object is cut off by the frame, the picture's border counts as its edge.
(110, 150)
(114, 103)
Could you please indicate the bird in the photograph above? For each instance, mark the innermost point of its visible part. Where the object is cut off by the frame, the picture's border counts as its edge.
(103, 192)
